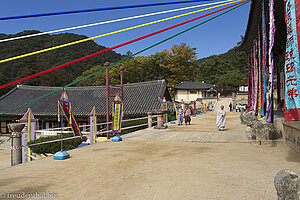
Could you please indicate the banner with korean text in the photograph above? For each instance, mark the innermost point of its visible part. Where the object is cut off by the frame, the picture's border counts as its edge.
(117, 114)
(292, 68)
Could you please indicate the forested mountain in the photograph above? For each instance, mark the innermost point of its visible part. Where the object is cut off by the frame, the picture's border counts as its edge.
(20, 68)
(228, 71)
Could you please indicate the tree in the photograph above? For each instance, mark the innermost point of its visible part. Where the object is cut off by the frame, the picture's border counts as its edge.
(179, 64)
(228, 71)
(175, 66)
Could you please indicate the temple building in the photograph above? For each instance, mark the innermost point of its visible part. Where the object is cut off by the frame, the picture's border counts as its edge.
(191, 91)
(265, 41)
(271, 43)
(138, 100)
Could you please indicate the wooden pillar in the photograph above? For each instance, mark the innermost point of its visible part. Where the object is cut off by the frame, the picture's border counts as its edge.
(121, 82)
(106, 64)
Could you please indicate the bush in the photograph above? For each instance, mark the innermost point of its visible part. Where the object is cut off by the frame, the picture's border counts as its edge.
(55, 146)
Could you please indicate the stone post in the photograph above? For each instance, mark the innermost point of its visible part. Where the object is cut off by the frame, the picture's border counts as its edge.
(16, 143)
(159, 121)
(149, 119)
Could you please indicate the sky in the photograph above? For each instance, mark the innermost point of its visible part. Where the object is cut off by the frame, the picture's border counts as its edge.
(214, 37)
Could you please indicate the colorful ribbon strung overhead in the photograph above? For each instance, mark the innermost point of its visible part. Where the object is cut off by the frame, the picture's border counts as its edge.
(109, 49)
(156, 44)
(111, 33)
(110, 21)
(98, 9)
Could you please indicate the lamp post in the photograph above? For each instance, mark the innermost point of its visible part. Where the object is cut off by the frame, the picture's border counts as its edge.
(16, 143)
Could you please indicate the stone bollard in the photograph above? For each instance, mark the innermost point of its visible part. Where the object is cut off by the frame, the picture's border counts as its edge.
(16, 143)
(149, 119)
(287, 185)
(159, 121)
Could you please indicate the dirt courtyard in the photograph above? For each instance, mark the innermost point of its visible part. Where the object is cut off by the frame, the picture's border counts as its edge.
(181, 162)
(156, 170)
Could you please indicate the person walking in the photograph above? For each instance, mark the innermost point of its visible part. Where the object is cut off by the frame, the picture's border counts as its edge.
(187, 116)
(230, 107)
(221, 119)
(180, 116)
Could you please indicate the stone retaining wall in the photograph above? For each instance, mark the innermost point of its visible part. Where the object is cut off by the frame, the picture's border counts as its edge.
(292, 134)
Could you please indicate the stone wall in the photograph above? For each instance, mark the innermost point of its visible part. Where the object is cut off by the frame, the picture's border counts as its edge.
(259, 129)
(292, 134)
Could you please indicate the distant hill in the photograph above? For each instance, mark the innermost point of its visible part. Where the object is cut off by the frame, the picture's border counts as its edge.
(201, 60)
(228, 71)
(20, 68)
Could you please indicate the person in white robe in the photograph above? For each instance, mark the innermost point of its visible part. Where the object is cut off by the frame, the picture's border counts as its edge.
(180, 113)
(221, 119)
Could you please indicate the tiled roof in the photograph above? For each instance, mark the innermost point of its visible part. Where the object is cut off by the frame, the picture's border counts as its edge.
(193, 85)
(139, 98)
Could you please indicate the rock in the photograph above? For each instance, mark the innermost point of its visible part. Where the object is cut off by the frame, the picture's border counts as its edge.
(287, 185)
(265, 131)
(263, 120)
(248, 129)
(249, 118)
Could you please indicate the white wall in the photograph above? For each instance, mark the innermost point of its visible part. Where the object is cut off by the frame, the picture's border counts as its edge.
(187, 96)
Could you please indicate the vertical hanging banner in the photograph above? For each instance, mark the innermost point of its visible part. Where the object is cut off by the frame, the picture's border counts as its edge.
(249, 80)
(252, 80)
(264, 62)
(292, 68)
(65, 105)
(164, 107)
(255, 77)
(28, 133)
(259, 77)
(175, 108)
(117, 114)
(271, 61)
(93, 126)
(233, 104)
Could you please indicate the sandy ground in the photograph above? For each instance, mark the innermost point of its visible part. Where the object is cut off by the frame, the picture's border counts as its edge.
(156, 170)
(4, 152)
(4, 158)
(178, 163)
(203, 128)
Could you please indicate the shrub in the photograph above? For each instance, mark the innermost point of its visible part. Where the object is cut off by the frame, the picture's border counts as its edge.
(55, 146)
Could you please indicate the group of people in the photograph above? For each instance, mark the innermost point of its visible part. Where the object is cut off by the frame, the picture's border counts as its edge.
(238, 107)
(186, 114)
